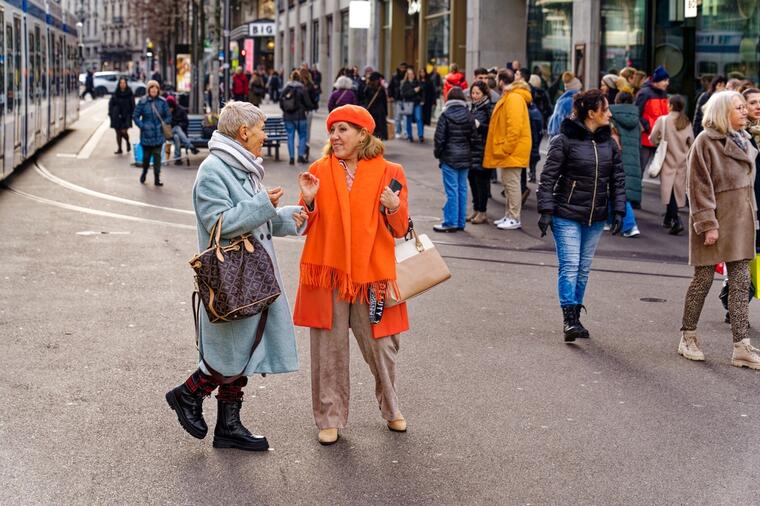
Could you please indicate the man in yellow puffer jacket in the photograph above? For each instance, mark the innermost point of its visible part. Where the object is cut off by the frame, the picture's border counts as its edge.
(509, 142)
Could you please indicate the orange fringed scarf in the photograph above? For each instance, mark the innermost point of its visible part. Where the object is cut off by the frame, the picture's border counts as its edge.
(348, 247)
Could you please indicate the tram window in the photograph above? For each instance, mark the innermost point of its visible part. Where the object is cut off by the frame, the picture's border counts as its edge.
(44, 66)
(17, 61)
(2, 63)
(38, 61)
(9, 64)
(59, 66)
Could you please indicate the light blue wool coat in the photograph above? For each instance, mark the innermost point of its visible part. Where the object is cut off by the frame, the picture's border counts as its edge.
(225, 347)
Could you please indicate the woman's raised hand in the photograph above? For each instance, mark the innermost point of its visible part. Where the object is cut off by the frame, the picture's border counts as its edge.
(300, 218)
(309, 184)
(274, 195)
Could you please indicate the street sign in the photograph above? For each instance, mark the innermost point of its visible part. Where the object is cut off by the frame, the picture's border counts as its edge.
(261, 29)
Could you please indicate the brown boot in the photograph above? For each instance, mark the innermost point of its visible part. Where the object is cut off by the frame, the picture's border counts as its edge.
(472, 216)
(479, 219)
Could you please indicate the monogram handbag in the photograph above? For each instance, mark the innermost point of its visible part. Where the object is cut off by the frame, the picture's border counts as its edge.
(419, 267)
(235, 281)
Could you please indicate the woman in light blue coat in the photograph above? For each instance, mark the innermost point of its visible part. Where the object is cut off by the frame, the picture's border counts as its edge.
(230, 181)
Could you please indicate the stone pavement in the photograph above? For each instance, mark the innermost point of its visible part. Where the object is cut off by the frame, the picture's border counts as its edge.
(95, 326)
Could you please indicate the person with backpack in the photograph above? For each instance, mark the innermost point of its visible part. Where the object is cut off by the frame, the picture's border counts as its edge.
(295, 102)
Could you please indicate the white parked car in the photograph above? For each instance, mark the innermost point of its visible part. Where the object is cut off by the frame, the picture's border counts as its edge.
(106, 83)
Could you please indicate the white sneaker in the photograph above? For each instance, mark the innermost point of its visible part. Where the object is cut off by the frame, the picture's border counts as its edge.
(607, 227)
(689, 346)
(501, 220)
(745, 355)
(634, 232)
(509, 224)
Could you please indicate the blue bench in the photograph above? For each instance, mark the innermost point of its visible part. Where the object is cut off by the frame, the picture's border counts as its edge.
(195, 131)
(274, 126)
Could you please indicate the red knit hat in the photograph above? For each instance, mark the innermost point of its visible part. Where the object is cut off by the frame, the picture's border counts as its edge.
(351, 114)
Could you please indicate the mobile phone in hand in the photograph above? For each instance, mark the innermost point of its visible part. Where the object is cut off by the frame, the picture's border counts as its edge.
(395, 186)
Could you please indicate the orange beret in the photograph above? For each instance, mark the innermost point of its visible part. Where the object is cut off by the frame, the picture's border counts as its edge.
(351, 114)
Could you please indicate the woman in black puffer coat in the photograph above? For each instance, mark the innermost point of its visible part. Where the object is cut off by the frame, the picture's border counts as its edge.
(121, 106)
(480, 178)
(582, 174)
(453, 135)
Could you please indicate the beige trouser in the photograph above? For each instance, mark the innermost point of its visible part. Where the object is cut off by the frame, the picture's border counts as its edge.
(330, 390)
(510, 178)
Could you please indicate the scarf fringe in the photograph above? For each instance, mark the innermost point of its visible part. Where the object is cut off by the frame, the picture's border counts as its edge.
(323, 276)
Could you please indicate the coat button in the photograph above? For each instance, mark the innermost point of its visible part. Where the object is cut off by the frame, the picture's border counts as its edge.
(261, 237)
(269, 237)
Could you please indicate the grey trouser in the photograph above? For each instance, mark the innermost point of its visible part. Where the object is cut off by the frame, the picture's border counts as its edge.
(330, 389)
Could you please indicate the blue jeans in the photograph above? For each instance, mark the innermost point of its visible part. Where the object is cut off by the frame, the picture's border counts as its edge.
(576, 244)
(629, 220)
(455, 185)
(180, 141)
(291, 127)
(416, 116)
(397, 116)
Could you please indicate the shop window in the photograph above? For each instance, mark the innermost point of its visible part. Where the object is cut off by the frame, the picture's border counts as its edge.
(623, 28)
(302, 43)
(438, 7)
(315, 42)
(344, 38)
(550, 39)
(329, 40)
(438, 41)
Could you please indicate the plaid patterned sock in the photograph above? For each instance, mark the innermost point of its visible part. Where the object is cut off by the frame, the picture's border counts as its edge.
(232, 392)
(200, 383)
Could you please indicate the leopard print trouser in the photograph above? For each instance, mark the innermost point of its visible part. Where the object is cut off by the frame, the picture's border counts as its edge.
(738, 305)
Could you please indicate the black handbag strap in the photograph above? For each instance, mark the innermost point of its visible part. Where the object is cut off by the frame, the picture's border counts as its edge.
(218, 378)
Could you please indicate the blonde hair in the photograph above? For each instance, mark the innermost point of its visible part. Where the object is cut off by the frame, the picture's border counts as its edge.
(237, 114)
(370, 148)
(717, 110)
(627, 72)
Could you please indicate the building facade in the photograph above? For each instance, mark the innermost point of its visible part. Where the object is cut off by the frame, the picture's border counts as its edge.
(253, 36)
(693, 39)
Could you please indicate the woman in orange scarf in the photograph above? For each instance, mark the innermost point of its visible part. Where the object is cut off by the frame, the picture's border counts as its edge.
(347, 266)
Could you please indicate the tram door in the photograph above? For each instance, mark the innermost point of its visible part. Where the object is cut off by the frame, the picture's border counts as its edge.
(3, 96)
(32, 97)
(18, 97)
(9, 126)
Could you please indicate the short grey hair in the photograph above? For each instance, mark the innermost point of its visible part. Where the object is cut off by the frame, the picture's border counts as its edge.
(717, 110)
(236, 114)
(344, 83)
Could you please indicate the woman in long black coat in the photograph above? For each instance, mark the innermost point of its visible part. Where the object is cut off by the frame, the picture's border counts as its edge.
(120, 109)
(479, 178)
(428, 95)
(375, 100)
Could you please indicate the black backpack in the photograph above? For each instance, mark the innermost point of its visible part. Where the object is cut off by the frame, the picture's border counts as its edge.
(289, 101)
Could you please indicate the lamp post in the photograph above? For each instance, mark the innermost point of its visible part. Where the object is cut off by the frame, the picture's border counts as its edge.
(226, 48)
(80, 34)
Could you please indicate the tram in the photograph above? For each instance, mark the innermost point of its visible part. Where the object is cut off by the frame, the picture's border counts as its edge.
(39, 68)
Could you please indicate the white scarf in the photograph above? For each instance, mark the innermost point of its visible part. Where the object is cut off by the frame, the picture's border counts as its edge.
(232, 153)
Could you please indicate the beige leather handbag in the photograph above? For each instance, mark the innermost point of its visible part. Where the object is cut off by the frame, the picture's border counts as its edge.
(419, 267)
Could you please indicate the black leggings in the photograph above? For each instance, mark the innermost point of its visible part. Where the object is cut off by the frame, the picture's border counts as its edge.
(121, 133)
(671, 211)
(480, 181)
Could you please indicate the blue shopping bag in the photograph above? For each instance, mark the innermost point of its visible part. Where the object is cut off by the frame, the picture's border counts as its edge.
(138, 153)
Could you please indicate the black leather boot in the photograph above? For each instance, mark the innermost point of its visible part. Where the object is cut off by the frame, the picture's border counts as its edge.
(143, 175)
(189, 409)
(157, 178)
(230, 432)
(677, 226)
(583, 331)
(572, 328)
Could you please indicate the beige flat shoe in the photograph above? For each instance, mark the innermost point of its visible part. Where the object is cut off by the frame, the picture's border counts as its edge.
(328, 436)
(397, 425)
(479, 218)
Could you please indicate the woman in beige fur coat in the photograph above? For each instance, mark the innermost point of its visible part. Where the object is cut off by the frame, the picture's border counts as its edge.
(722, 221)
(675, 129)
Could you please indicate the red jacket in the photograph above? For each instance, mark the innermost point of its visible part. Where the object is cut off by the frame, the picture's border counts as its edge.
(239, 84)
(652, 103)
(454, 79)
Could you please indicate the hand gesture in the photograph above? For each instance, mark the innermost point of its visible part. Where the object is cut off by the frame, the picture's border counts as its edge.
(390, 199)
(274, 195)
(617, 224)
(711, 237)
(309, 185)
(300, 218)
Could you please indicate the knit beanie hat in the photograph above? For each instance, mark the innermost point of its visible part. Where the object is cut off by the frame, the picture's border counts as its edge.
(660, 74)
(573, 84)
(353, 114)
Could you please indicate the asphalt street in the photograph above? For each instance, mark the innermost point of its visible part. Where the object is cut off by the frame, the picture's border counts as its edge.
(96, 325)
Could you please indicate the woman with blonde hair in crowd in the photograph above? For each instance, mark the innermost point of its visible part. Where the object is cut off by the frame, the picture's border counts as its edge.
(347, 267)
(722, 218)
(675, 129)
